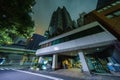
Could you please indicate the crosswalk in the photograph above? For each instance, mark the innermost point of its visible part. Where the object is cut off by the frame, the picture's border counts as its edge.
(1, 69)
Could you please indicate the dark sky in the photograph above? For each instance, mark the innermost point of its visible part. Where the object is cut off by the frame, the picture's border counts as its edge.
(43, 10)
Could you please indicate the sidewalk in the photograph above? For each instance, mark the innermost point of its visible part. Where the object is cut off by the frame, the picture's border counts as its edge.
(77, 74)
(69, 72)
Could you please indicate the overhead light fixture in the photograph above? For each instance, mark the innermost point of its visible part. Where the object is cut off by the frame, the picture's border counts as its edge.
(56, 48)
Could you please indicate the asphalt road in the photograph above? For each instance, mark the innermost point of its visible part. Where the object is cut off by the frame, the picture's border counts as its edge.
(13, 74)
(23, 75)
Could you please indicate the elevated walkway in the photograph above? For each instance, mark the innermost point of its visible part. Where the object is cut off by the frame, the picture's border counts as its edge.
(16, 50)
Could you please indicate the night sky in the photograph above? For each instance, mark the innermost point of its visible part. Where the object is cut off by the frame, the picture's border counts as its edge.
(43, 10)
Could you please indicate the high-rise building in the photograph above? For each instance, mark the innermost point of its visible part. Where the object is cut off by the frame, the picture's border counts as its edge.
(85, 41)
(80, 20)
(60, 22)
(34, 41)
(92, 45)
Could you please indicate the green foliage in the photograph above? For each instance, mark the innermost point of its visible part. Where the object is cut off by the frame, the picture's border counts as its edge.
(15, 17)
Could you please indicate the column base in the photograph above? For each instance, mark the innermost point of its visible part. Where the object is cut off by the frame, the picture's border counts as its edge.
(87, 73)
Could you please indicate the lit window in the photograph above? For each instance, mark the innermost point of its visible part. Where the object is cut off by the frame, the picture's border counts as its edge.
(117, 13)
(109, 16)
(108, 6)
(118, 2)
(100, 10)
(105, 8)
(113, 4)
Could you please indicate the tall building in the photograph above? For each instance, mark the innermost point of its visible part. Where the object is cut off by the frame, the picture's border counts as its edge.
(60, 22)
(91, 42)
(92, 46)
(34, 41)
(80, 20)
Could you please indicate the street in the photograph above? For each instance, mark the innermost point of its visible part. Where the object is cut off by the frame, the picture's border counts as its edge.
(17, 74)
(11, 74)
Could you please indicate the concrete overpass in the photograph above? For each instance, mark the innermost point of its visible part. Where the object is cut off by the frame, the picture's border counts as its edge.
(16, 50)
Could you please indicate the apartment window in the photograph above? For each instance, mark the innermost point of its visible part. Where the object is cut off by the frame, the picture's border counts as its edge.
(100, 10)
(109, 6)
(113, 14)
(113, 4)
(110, 16)
(117, 13)
(87, 32)
(105, 8)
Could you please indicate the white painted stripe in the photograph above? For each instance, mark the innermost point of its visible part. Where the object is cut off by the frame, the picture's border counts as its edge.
(50, 77)
(13, 69)
(6, 68)
(1, 69)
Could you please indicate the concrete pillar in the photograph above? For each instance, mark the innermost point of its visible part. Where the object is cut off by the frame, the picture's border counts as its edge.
(39, 63)
(24, 60)
(55, 61)
(83, 62)
(40, 59)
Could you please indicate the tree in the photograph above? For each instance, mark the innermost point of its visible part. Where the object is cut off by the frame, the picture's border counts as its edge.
(15, 18)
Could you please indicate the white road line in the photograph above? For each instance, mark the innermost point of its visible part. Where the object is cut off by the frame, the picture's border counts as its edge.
(6, 68)
(1, 69)
(50, 77)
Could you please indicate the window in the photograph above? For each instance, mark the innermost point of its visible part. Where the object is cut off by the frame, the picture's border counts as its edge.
(100, 10)
(117, 13)
(105, 8)
(109, 6)
(113, 14)
(87, 32)
(118, 2)
(109, 16)
(113, 4)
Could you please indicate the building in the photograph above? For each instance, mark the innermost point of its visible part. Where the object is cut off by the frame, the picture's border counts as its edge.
(80, 20)
(60, 22)
(33, 42)
(76, 45)
(108, 16)
(15, 54)
(90, 47)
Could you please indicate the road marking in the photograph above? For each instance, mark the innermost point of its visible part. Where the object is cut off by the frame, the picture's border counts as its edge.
(50, 77)
(1, 69)
(7, 68)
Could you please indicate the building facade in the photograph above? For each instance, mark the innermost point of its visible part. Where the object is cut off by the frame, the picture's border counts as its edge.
(60, 22)
(90, 47)
(77, 46)
(34, 41)
(108, 16)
